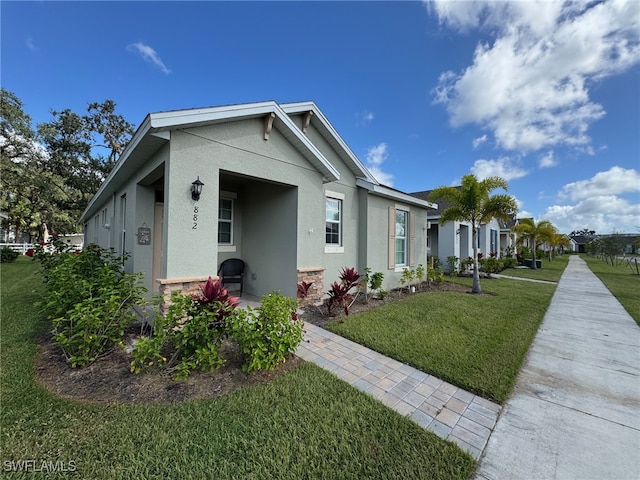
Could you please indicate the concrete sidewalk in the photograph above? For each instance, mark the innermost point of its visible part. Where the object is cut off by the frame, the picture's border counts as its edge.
(575, 410)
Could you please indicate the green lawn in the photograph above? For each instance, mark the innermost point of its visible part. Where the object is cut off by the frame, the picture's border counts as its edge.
(621, 281)
(551, 271)
(477, 342)
(304, 424)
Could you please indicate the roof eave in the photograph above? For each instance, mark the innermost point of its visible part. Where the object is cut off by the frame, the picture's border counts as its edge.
(382, 191)
(327, 129)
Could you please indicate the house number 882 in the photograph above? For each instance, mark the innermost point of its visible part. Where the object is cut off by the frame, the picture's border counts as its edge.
(195, 218)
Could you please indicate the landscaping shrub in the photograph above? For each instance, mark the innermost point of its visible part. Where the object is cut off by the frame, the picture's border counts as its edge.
(340, 293)
(7, 255)
(268, 334)
(509, 262)
(189, 336)
(489, 265)
(372, 280)
(89, 301)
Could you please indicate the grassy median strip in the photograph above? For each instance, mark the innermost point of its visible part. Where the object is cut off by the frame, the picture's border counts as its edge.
(304, 424)
(551, 271)
(621, 280)
(476, 342)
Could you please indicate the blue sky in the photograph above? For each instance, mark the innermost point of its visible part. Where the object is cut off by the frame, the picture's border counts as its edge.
(545, 94)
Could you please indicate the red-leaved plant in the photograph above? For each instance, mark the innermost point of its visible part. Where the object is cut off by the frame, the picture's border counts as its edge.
(339, 293)
(213, 296)
(303, 289)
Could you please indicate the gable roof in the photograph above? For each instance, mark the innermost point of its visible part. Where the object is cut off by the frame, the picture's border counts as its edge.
(320, 122)
(154, 132)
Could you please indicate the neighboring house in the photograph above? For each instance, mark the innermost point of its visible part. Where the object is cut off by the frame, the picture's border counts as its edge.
(281, 191)
(456, 238)
(579, 243)
(508, 237)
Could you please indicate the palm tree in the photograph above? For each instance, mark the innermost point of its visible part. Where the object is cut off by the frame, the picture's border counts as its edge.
(472, 203)
(558, 240)
(536, 233)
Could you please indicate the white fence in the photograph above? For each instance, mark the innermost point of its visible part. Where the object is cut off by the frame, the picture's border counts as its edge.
(22, 248)
(18, 247)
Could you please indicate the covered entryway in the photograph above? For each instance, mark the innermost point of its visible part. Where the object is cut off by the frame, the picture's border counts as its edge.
(263, 231)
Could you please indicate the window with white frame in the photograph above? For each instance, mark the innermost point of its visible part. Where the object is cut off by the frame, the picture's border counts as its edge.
(225, 221)
(401, 237)
(333, 222)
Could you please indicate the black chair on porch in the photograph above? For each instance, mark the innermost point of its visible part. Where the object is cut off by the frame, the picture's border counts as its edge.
(232, 271)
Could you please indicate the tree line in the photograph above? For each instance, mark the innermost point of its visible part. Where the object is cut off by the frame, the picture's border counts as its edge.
(48, 174)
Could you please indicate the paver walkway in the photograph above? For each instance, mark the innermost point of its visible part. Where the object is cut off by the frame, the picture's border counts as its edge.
(448, 411)
(575, 409)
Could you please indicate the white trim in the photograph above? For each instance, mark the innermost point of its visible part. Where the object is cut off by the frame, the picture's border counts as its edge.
(318, 116)
(336, 195)
(230, 222)
(396, 195)
(226, 248)
(333, 249)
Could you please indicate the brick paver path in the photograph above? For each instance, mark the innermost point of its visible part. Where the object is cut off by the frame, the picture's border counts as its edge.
(448, 411)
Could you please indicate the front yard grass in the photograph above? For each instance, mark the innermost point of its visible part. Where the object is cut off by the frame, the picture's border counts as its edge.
(304, 424)
(476, 342)
(551, 271)
(620, 281)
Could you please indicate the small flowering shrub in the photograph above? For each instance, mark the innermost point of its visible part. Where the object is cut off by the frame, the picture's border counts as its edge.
(188, 337)
(268, 334)
(89, 300)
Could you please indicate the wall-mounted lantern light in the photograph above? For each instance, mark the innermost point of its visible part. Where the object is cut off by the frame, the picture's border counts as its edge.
(196, 189)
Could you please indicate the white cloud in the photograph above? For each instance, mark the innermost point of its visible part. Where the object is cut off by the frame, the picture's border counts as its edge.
(364, 118)
(479, 141)
(547, 160)
(502, 167)
(376, 155)
(614, 181)
(530, 85)
(30, 45)
(148, 54)
(604, 214)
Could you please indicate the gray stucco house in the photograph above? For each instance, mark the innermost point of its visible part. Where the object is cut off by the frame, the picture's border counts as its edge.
(282, 191)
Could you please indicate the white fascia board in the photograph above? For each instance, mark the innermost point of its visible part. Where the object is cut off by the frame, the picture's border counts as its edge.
(196, 116)
(330, 172)
(140, 133)
(301, 107)
(387, 192)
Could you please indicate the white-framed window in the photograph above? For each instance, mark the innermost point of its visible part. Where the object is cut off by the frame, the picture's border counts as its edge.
(225, 221)
(402, 237)
(334, 222)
